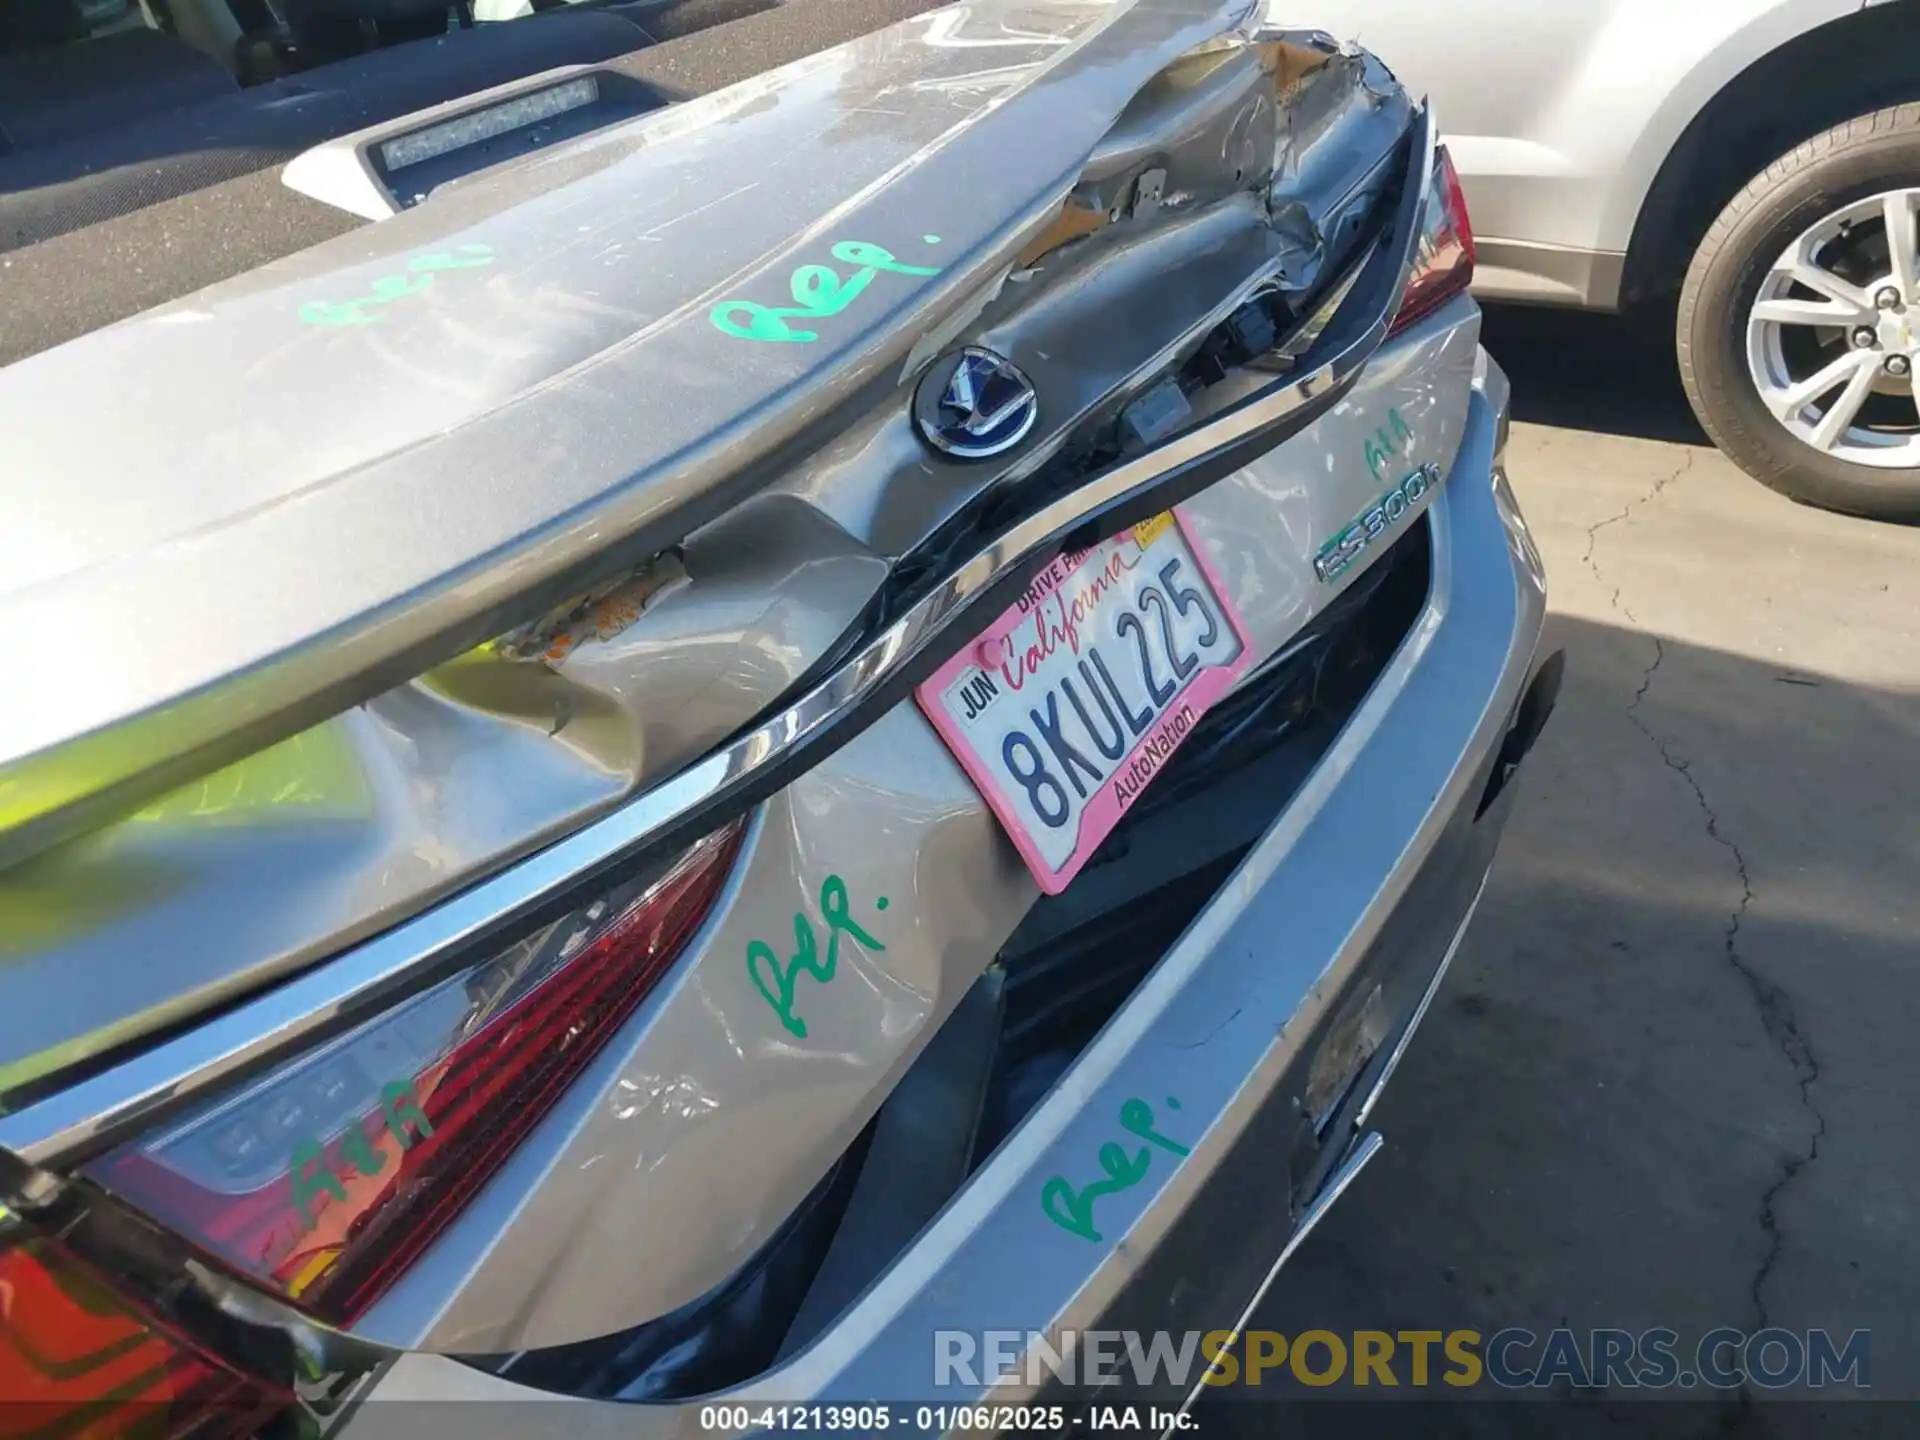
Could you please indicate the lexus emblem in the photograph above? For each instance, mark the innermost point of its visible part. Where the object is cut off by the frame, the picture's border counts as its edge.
(975, 406)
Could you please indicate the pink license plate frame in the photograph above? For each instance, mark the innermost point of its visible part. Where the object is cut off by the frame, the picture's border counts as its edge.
(1003, 646)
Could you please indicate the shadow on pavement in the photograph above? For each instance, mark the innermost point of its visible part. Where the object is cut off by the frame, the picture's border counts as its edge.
(1581, 371)
(1592, 1128)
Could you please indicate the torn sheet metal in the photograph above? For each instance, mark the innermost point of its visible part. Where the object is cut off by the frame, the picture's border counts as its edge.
(495, 438)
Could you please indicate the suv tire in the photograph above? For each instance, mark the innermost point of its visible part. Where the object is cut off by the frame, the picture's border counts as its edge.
(1818, 179)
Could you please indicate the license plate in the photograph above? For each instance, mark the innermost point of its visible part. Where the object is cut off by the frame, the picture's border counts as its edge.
(1070, 703)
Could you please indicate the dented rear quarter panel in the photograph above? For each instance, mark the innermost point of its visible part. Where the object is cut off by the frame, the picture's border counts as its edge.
(707, 1121)
(266, 866)
(305, 582)
(243, 572)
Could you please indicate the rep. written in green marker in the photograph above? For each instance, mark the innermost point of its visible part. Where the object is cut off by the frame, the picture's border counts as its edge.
(777, 980)
(1072, 1209)
(819, 292)
(417, 279)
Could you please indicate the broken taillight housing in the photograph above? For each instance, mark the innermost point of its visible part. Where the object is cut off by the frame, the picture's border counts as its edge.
(1443, 267)
(82, 1361)
(328, 1176)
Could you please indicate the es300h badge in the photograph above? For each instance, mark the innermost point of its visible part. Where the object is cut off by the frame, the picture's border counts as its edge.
(1336, 557)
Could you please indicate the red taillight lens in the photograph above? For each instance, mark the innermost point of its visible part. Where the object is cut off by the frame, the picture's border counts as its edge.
(78, 1360)
(1444, 266)
(328, 1177)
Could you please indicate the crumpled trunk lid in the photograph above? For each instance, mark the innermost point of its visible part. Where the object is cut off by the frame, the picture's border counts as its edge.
(405, 580)
(319, 478)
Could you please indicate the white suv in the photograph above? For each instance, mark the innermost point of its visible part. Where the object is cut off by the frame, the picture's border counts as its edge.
(1757, 161)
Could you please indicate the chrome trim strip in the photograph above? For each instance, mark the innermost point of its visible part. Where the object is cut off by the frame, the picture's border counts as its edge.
(1420, 1010)
(147, 1086)
(1336, 1186)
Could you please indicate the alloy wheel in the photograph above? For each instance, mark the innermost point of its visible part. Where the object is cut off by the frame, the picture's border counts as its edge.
(1833, 334)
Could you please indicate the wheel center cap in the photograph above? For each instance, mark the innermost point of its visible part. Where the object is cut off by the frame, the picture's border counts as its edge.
(1896, 332)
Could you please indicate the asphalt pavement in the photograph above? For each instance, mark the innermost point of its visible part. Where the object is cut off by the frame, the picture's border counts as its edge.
(1671, 1078)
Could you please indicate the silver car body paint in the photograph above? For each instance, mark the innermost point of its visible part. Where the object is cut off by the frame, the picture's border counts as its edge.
(1219, 1021)
(327, 565)
(284, 857)
(243, 572)
(350, 826)
(709, 1066)
(1559, 116)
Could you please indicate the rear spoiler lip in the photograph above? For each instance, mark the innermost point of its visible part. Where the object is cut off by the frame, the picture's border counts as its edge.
(1349, 326)
(193, 653)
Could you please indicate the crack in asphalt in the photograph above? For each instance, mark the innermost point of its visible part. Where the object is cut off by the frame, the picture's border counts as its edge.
(1593, 531)
(1773, 1003)
(1775, 1006)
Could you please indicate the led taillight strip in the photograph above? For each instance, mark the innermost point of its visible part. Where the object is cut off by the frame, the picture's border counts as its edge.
(1444, 265)
(79, 1360)
(330, 1206)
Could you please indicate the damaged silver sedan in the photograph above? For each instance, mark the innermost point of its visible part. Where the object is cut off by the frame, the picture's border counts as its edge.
(739, 729)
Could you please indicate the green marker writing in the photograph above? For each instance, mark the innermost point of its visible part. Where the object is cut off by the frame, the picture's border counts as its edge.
(1071, 1209)
(776, 982)
(368, 309)
(818, 293)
